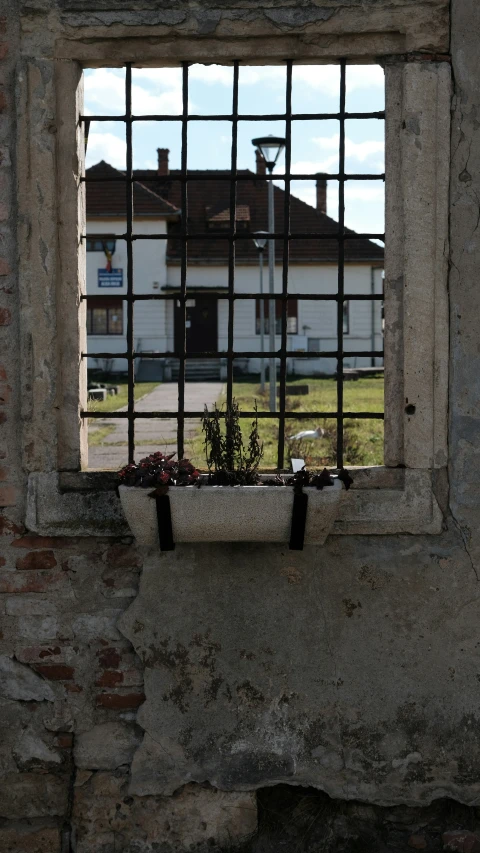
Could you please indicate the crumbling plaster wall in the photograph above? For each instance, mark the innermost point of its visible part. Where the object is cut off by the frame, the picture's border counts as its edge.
(353, 667)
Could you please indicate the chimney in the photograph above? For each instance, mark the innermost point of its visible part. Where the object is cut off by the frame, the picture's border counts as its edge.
(163, 161)
(321, 194)
(261, 165)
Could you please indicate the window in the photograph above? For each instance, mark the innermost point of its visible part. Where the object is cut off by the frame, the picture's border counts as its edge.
(393, 499)
(100, 243)
(292, 317)
(104, 316)
(240, 202)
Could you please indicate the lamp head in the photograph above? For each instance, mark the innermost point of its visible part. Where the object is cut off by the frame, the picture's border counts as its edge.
(270, 148)
(260, 240)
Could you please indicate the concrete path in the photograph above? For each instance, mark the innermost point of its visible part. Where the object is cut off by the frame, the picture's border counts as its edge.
(151, 434)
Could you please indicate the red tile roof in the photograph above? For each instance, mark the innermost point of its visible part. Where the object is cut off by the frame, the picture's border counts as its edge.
(109, 198)
(162, 195)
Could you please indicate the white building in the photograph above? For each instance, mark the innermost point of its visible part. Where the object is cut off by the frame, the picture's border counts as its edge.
(158, 326)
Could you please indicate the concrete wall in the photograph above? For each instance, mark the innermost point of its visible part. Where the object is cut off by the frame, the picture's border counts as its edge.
(353, 667)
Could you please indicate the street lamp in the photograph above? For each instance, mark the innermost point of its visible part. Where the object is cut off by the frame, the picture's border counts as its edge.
(260, 242)
(270, 148)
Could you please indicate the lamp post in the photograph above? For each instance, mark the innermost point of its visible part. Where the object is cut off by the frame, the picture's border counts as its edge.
(270, 148)
(260, 242)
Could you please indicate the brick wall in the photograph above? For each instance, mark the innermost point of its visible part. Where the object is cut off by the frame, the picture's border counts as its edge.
(72, 687)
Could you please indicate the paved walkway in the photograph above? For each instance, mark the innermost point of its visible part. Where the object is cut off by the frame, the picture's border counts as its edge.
(151, 434)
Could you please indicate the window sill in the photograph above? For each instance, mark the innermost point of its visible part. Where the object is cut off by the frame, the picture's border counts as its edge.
(381, 501)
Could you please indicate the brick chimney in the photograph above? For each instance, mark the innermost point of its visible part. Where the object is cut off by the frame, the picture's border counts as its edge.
(260, 161)
(321, 194)
(163, 161)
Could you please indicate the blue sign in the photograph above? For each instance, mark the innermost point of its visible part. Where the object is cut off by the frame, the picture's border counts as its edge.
(110, 279)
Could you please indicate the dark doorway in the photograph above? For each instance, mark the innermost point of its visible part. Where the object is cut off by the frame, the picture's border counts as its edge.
(201, 326)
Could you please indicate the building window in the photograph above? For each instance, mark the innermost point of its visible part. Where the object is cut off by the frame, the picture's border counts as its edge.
(100, 243)
(104, 316)
(292, 316)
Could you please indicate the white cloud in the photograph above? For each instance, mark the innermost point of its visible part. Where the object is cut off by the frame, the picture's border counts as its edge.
(356, 150)
(105, 92)
(323, 78)
(311, 167)
(106, 146)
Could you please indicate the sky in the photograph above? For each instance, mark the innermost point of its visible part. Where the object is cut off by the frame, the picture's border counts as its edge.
(315, 89)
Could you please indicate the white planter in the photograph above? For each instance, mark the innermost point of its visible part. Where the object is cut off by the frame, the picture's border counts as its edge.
(231, 513)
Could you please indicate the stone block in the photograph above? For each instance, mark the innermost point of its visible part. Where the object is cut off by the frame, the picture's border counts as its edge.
(29, 795)
(24, 838)
(29, 606)
(38, 628)
(106, 746)
(19, 682)
(32, 753)
(90, 626)
(23, 582)
(195, 818)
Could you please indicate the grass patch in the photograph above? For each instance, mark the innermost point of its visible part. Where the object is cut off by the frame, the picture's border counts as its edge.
(98, 435)
(118, 401)
(363, 439)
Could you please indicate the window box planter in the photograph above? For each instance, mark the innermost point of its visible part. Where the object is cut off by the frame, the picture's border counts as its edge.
(231, 513)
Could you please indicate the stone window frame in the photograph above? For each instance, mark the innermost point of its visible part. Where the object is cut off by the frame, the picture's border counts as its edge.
(407, 494)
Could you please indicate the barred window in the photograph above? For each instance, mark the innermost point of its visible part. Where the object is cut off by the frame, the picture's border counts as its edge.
(187, 263)
(292, 317)
(104, 316)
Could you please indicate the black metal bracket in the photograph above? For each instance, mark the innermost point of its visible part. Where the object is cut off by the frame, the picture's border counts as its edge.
(164, 521)
(299, 520)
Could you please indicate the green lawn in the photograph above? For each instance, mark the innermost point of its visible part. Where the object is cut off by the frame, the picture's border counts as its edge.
(118, 401)
(363, 439)
(98, 431)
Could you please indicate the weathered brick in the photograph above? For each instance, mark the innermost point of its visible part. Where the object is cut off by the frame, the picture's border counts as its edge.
(22, 838)
(64, 740)
(5, 391)
(3, 471)
(4, 267)
(109, 678)
(462, 841)
(3, 24)
(109, 658)
(3, 101)
(32, 581)
(132, 678)
(8, 495)
(3, 50)
(5, 314)
(123, 557)
(120, 701)
(37, 560)
(8, 527)
(73, 688)
(34, 542)
(54, 671)
(37, 653)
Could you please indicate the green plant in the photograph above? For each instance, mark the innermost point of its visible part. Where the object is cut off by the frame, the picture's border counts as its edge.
(229, 461)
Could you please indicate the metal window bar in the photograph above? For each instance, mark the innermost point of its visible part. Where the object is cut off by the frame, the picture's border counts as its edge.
(341, 267)
(232, 236)
(130, 304)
